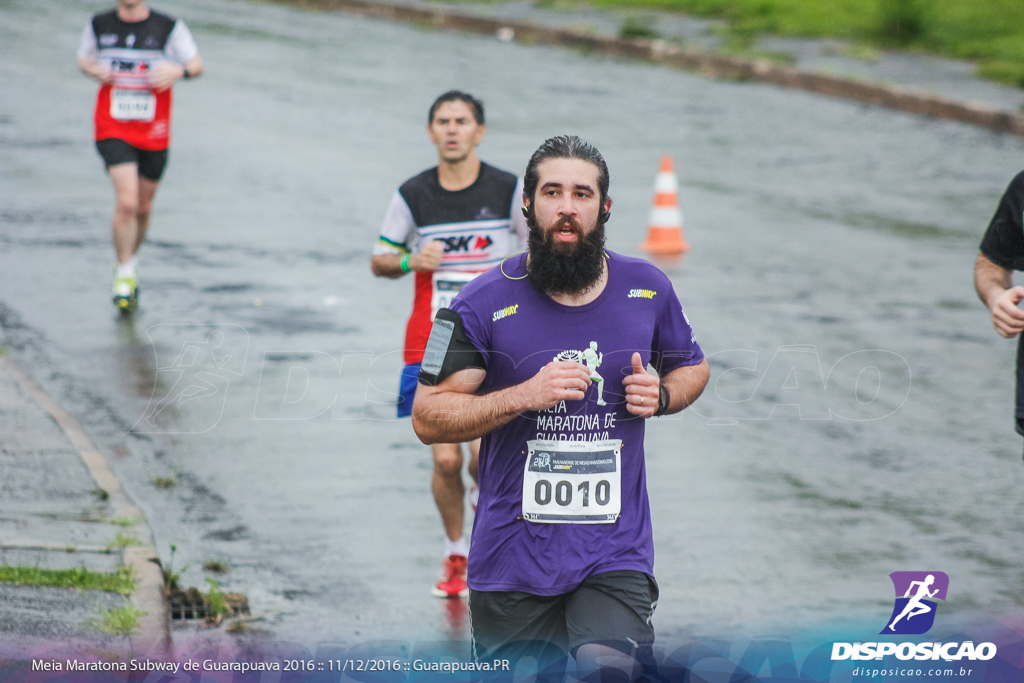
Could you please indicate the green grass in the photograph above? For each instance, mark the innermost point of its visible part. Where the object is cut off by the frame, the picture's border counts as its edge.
(172, 579)
(122, 581)
(1003, 71)
(215, 567)
(217, 605)
(638, 27)
(988, 31)
(120, 622)
(865, 53)
(124, 521)
(168, 482)
(122, 541)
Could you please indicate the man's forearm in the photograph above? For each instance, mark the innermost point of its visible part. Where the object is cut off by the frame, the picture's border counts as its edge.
(387, 265)
(91, 68)
(454, 417)
(685, 385)
(990, 280)
(195, 67)
(390, 265)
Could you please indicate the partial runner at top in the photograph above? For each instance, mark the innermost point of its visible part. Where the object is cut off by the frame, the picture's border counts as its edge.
(137, 55)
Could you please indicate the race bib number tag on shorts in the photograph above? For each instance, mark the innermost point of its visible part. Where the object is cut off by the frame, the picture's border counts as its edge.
(572, 482)
(444, 286)
(132, 105)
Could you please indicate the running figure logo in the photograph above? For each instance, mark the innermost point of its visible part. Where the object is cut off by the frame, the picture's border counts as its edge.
(914, 613)
(592, 358)
(205, 360)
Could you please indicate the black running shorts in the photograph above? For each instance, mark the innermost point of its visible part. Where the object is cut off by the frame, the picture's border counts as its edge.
(611, 608)
(151, 164)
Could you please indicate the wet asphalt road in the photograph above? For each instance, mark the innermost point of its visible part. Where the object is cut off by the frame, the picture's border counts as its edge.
(820, 229)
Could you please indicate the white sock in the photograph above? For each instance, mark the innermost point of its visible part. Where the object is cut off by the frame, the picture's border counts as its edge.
(126, 269)
(134, 262)
(459, 547)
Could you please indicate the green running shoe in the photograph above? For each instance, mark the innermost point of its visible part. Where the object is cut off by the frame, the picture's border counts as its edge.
(126, 293)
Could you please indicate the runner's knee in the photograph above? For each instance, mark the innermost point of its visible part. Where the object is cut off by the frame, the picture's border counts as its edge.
(127, 206)
(447, 459)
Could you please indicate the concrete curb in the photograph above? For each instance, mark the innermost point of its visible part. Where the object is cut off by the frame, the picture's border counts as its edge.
(707, 63)
(154, 637)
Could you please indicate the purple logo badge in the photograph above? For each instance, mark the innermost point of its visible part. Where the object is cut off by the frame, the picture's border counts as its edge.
(916, 592)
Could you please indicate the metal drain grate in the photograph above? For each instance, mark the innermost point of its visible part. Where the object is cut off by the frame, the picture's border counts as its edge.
(191, 604)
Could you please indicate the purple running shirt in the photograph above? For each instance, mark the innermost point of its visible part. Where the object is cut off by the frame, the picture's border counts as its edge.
(563, 491)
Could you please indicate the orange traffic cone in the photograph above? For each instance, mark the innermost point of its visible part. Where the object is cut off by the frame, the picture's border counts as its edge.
(665, 224)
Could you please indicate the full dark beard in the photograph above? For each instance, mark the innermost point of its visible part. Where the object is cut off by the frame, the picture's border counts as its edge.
(560, 268)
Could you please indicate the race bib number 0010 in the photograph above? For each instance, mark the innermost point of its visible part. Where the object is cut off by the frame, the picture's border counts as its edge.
(572, 482)
(132, 105)
(444, 286)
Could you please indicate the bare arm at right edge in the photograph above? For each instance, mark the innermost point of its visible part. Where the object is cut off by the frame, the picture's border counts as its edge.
(995, 289)
(452, 412)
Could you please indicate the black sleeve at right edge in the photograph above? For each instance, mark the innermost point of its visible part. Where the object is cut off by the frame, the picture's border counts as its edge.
(1003, 243)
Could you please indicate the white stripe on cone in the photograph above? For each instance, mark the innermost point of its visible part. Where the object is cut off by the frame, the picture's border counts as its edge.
(665, 217)
(666, 183)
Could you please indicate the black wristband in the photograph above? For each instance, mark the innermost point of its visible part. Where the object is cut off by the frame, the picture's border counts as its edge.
(185, 74)
(663, 400)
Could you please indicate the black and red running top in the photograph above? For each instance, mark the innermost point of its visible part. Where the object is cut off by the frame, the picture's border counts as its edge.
(127, 108)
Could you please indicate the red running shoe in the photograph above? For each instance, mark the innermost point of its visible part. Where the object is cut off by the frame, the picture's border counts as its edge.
(453, 578)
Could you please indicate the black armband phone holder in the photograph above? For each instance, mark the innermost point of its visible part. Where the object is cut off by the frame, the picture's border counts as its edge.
(448, 349)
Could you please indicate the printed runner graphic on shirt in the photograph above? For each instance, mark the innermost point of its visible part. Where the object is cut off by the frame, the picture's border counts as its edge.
(572, 482)
(592, 358)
